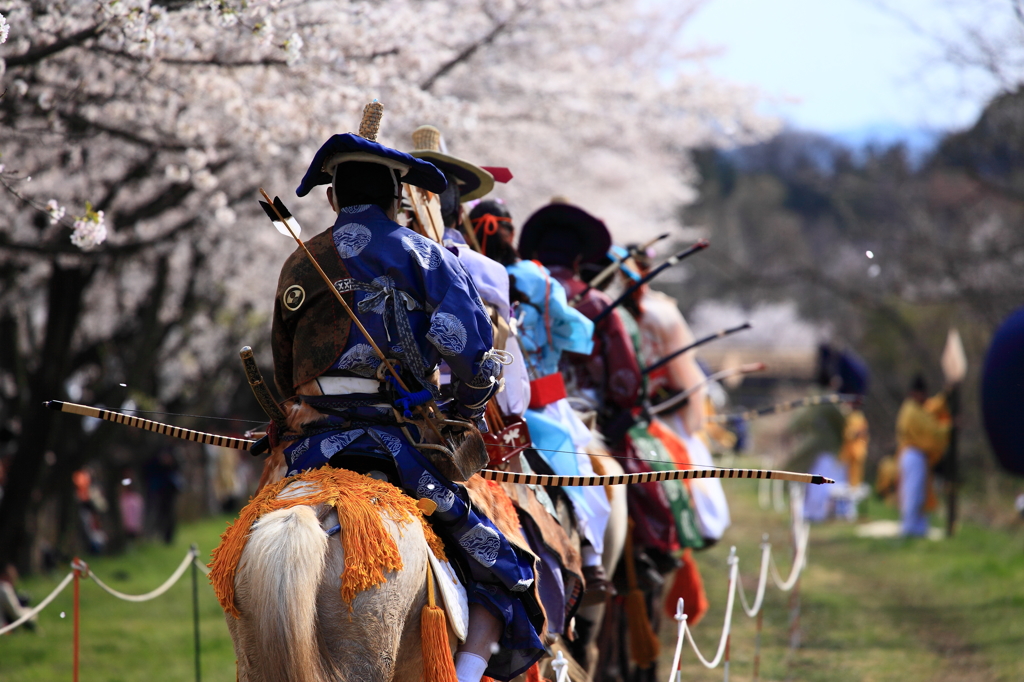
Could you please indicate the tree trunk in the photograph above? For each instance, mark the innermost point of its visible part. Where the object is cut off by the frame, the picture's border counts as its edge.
(64, 307)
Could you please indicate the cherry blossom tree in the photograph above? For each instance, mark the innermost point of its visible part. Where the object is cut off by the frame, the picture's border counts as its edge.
(133, 138)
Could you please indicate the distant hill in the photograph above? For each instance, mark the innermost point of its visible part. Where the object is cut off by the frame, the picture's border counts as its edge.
(919, 141)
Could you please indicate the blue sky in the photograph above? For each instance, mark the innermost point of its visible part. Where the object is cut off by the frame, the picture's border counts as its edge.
(842, 67)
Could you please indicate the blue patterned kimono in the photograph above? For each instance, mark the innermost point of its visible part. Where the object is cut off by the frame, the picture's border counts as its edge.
(419, 305)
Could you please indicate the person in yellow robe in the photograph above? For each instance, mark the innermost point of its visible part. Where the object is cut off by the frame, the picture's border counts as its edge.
(922, 435)
(855, 447)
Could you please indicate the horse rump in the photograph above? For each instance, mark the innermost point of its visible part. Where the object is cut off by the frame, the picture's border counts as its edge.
(276, 587)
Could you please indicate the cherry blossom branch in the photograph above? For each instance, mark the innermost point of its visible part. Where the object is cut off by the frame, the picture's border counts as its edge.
(109, 250)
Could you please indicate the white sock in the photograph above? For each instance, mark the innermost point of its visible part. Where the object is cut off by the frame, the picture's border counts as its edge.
(469, 667)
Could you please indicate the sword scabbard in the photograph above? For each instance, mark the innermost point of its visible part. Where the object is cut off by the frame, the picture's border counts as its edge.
(260, 389)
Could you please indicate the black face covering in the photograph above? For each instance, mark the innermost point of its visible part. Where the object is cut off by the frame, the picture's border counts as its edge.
(362, 182)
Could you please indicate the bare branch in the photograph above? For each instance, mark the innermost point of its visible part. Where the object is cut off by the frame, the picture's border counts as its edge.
(82, 123)
(40, 53)
(467, 52)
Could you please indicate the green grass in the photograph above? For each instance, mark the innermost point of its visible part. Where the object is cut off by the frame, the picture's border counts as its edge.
(124, 641)
(870, 609)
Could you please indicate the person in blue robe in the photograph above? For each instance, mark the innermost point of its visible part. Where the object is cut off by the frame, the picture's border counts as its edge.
(417, 303)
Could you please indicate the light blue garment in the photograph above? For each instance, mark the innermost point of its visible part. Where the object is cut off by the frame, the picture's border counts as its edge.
(570, 330)
(913, 492)
(553, 443)
(818, 503)
(553, 440)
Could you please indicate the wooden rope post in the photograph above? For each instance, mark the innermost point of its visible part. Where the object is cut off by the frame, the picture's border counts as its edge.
(75, 641)
(725, 666)
(757, 645)
(195, 609)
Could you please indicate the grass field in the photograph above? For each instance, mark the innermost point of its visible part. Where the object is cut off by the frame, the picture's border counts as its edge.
(869, 610)
(123, 641)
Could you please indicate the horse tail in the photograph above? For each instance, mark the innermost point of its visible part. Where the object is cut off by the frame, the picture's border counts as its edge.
(278, 580)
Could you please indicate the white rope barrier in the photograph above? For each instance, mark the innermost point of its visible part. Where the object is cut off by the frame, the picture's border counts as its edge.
(680, 638)
(201, 566)
(42, 605)
(178, 572)
(803, 531)
(83, 568)
(762, 581)
(801, 535)
(734, 565)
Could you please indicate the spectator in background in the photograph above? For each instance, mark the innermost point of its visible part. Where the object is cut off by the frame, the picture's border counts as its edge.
(12, 605)
(163, 483)
(228, 484)
(838, 442)
(91, 505)
(131, 505)
(922, 435)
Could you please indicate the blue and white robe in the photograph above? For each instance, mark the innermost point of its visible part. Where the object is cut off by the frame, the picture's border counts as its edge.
(418, 303)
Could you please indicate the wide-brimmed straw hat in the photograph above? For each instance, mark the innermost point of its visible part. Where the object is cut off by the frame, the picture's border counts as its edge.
(472, 180)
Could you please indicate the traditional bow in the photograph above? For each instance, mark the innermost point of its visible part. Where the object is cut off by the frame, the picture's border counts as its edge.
(489, 474)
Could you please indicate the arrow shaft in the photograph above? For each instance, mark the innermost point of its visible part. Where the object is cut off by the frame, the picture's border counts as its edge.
(610, 270)
(675, 401)
(490, 474)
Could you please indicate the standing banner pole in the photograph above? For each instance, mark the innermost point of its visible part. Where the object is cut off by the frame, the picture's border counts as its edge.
(954, 413)
(954, 370)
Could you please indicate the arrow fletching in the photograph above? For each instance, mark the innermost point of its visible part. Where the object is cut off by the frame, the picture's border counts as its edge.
(289, 220)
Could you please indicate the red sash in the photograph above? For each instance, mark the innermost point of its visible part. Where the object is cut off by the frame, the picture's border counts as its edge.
(546, 390)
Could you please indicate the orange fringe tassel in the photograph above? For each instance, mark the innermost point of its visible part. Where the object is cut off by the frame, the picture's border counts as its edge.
(361, 502)
(644, 646)
(438, 664)
(688, 585)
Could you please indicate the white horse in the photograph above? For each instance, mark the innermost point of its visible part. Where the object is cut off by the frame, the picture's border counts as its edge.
(294, 625)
